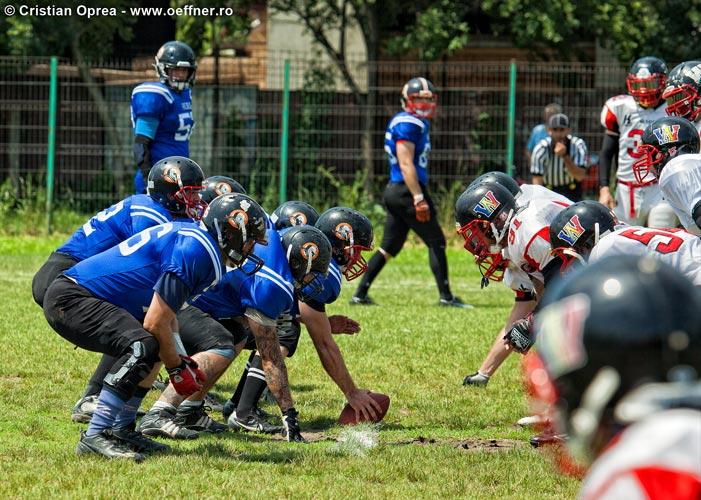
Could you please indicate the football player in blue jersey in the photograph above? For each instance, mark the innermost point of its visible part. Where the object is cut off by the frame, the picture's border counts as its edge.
(350, 234)
(214, 324)
(123, 302)
(406, 198)
(161, 112)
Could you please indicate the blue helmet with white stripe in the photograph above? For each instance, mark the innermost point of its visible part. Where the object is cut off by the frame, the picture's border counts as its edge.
(175, 182)
(237, 222)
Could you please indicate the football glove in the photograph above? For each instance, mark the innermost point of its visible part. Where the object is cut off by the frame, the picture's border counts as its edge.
(423, 211)
(186, 378)
(291, 426)
(520, 336)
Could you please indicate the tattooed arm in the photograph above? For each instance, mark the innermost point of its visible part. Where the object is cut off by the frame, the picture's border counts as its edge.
(265, 332)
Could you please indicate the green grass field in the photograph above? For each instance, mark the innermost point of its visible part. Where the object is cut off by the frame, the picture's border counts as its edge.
(434, 442)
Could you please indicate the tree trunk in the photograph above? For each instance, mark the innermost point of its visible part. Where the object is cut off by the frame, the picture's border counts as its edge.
(372, 44)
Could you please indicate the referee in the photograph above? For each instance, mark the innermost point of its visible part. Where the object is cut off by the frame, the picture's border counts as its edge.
(406, 198)
(559, 162)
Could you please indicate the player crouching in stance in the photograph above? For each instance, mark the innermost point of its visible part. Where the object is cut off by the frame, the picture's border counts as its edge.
(510, 244)
(617, 364)
(99, 305)
(669, 152)
(292, 259)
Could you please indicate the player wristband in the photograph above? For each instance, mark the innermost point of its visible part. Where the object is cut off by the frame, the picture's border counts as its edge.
(418, 198)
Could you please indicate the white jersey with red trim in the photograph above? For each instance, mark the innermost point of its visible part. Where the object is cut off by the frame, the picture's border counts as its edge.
(675, 247)
(537, 192)
(656, 458)
(623, 117)
(528, 242)
(680, 182)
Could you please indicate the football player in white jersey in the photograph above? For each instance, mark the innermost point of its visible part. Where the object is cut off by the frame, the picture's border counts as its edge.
(670, 152)
(618, 346)
(522, 192)
(625, 117)
(588, 232)
(683, 92)
(510, 244)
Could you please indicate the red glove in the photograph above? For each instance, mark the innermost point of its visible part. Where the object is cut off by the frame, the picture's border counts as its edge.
(186, 378)
(423, 211)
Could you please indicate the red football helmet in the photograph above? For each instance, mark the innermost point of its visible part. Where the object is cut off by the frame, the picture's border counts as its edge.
(647, 80)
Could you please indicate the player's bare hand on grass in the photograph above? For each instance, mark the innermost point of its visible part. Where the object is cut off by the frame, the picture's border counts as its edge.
(343, 325)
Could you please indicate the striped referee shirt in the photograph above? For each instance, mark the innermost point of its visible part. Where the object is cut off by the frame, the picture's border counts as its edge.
(552, 167)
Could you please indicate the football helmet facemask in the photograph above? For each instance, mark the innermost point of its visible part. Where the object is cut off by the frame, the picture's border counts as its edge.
(662, 140)
(350, 234)
(482, 216)
(176, 182)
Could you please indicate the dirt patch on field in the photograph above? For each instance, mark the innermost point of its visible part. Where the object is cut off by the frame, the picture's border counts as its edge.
(491, 445)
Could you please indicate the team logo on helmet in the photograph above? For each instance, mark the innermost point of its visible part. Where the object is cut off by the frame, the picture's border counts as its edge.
(560, 329)
(309, 250)
(222, 188)
(343, 231)
(298, 219)
(667, 133)
(571, 232)
(172, 175)
(238, 218)
(487, 205)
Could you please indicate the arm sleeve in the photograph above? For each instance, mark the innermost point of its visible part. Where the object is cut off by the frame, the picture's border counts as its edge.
(146, 126)
(173, 290)
(142, 154)
(609, 149)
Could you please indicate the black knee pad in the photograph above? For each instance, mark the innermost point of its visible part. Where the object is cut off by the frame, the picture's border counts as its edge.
(133, 367)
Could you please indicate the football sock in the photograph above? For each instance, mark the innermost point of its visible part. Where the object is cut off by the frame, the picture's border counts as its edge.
(375, 265)
(109, 405)
(236, 397)
(128, 414)
(253, 388)
(103, 368)
(439, 267)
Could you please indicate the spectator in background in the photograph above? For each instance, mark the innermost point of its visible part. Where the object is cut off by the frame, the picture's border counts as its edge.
(559, 161)
(540, 131)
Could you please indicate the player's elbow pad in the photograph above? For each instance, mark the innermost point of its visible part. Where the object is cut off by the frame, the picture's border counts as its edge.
(696, 214)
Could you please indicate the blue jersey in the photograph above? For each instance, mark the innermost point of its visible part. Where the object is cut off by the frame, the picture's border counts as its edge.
(173, 110)
(331, 286)
(127, 274)
(114, 225)
(407, 127)
(269, 291)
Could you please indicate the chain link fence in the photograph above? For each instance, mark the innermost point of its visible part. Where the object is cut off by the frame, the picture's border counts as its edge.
(336, 137)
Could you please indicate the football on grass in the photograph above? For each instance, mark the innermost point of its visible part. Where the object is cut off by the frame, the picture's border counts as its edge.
(347, 416)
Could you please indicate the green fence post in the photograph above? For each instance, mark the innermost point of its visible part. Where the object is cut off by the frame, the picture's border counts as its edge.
(284, 139)
(53, 87)
(512, 119)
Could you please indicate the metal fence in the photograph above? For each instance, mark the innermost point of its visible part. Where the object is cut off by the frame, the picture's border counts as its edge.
(238, 122)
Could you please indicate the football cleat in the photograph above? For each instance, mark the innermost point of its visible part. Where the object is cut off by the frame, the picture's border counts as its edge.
(197, 419)
(454, 302)
(137, 441)
(105, 444)
(161, 423)
(476, 379)
(291, 430)
(253, 423)
(547, 437)
(532, 421)
(361, 301)
(214, 402)
(228, 409)
(84, 408)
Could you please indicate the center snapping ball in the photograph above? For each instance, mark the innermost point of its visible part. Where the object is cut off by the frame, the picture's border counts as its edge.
(347, 416)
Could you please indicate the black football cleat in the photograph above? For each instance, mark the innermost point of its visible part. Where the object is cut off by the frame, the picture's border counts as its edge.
(548, 437)
(137, 441)
(161, 423)
(454, 302)
(105, 444)
(361, 301)
(197, 419)
(252, 423)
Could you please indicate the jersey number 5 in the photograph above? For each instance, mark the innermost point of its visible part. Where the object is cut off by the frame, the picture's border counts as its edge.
(185, 129)
(669, 242)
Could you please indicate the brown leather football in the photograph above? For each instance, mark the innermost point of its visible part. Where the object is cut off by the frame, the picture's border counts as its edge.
(347, 416)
